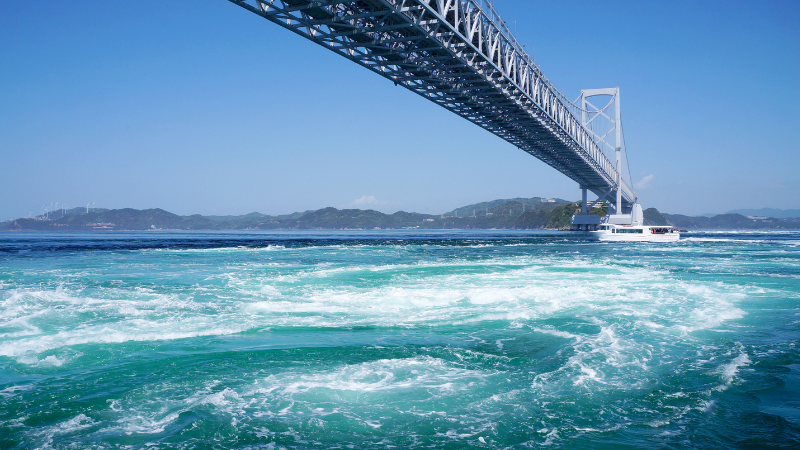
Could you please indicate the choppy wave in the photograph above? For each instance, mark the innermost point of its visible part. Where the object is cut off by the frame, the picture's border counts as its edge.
(505, 341)
(515, 290)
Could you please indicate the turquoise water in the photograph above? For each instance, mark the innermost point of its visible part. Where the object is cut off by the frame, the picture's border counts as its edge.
(398, 340)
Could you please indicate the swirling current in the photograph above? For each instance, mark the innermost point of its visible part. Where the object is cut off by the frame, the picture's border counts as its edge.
(390, 339)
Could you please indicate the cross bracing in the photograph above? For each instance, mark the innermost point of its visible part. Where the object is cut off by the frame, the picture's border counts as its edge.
(460, 55)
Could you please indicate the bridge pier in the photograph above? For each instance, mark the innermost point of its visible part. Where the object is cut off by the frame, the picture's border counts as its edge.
(583, 201)
(585, 221)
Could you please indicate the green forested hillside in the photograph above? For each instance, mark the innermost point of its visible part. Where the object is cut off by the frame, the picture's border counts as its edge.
(516, 213)
(524, 214)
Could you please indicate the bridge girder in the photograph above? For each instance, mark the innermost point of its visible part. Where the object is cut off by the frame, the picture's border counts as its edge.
(462, 57)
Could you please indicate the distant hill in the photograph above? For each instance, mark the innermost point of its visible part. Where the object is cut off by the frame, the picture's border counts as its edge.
(719, 222)
(503, 206)
(768, 212)
(731, 222)
(517, 213)
(653, 217)
(158, 219)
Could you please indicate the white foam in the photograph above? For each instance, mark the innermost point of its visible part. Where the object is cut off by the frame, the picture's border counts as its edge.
(653, 312)
(270, 291)
(587, 373)
(77, 423)
(141, 424)
(307, 395)
(711, 316)
(136, 331)
(728, 371)
(707, 405)
(558, 333)
(151, 410)
(738, 241)
(31, 360)
(551, 437)
(13, 391)
(376, 376)
(218, 250)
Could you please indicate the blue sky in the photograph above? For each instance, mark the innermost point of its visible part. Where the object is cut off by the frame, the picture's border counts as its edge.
(203, 107)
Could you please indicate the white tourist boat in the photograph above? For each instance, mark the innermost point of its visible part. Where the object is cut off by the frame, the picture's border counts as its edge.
(635, 233)
(625, 227)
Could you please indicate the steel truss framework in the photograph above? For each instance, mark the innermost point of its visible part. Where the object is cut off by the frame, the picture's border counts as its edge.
(460, 55)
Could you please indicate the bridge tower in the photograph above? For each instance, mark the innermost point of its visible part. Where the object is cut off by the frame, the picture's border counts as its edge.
(604, 124)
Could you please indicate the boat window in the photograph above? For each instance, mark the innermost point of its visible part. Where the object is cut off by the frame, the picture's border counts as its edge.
(628, 230)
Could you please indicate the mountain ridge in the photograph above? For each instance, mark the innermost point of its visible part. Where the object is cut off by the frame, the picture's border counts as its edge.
(767, 212)
(515, 213)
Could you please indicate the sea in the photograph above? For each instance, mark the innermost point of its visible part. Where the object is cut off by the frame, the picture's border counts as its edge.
(398, 340)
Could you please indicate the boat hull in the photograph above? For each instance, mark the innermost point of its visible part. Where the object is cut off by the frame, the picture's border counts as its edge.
(613, 233)
(671, 237)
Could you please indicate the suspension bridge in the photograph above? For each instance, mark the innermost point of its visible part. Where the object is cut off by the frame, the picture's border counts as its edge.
(462, 56)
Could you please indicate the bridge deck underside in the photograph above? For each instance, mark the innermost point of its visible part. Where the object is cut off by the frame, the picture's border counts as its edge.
(420, 45)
